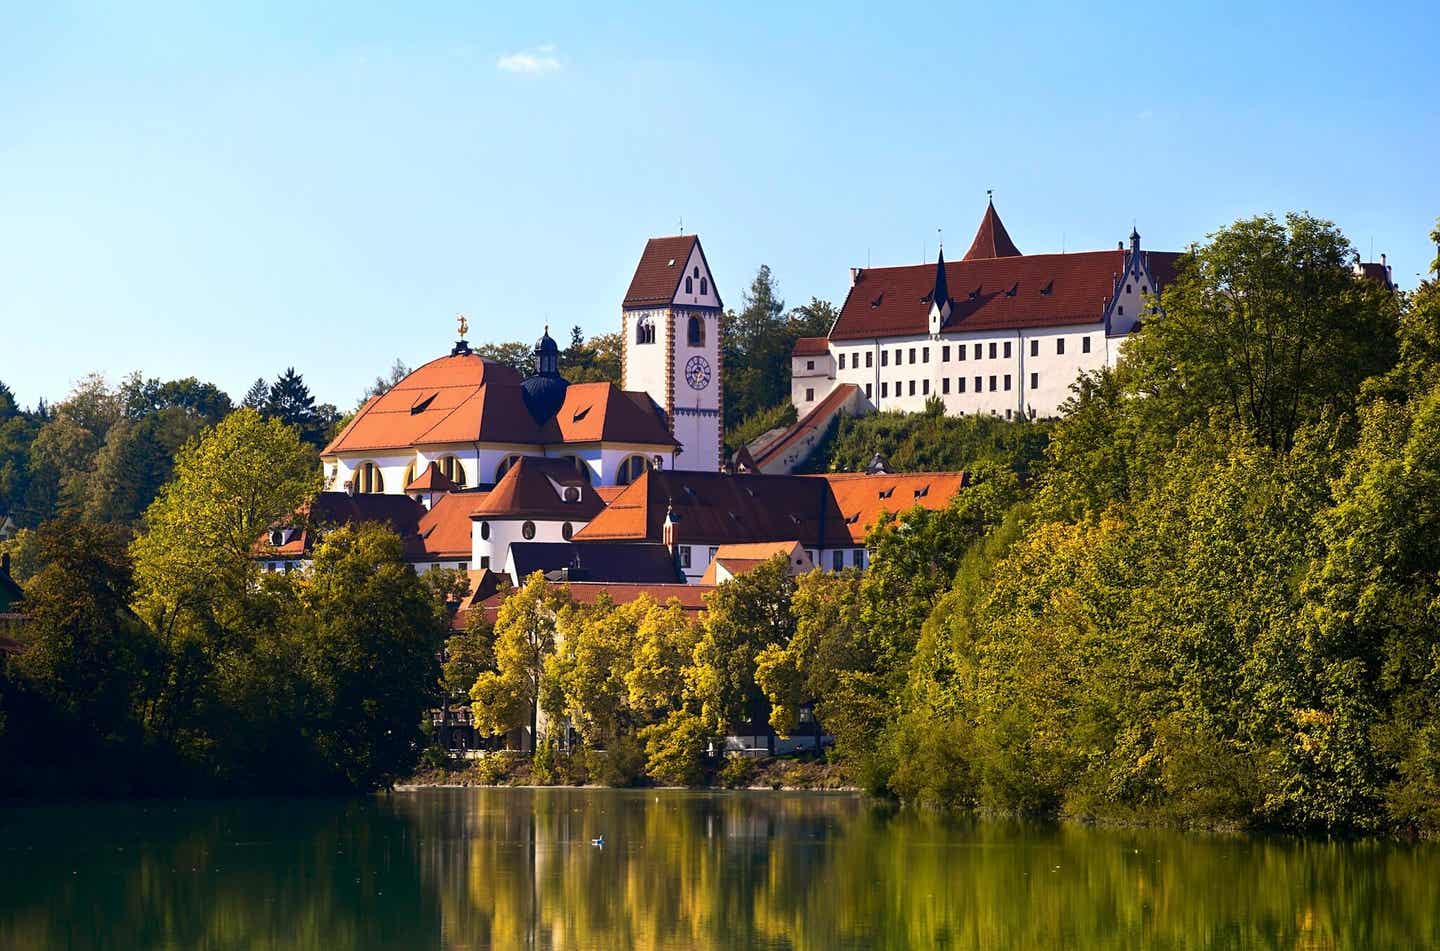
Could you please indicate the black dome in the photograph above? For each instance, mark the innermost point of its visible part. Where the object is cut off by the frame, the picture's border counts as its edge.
(545, 344)
(544, 394)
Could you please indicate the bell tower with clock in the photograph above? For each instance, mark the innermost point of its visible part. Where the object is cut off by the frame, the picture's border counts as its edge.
(672, 345)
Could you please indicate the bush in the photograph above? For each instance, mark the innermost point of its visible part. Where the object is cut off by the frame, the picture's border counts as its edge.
(674, 748)
(737, 772)
(622, 764)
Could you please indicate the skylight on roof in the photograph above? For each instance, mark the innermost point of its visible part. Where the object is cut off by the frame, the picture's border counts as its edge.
(672, 263)
(886, 493)
(580, 414)
(422, 403)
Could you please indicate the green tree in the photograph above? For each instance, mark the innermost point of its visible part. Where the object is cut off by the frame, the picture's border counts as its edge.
(290, 402)
(1268, 327)
(508, 697)
(372, 630)
(742, 617)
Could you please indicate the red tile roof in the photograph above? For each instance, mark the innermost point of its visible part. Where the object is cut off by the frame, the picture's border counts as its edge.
(657, 276)
(811, 346)
(431, 480)
(991, 238)
(445, 529)
(1000, 293)
(399, 513)
(464, 399)
(862, 497)
(528, 490)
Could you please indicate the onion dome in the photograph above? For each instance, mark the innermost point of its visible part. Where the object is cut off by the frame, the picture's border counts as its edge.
(544, 391)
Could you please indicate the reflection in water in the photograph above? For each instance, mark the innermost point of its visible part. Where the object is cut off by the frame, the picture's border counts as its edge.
(515, 869)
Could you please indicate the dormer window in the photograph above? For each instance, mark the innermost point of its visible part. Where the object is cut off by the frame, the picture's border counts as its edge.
(277, 538)
(571, 494)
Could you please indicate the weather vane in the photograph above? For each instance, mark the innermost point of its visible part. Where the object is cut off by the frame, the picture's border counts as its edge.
(463, 324)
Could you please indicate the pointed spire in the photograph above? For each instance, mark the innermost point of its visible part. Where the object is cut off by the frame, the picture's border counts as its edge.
(991, 239)
(940, 296)
(1134, 239)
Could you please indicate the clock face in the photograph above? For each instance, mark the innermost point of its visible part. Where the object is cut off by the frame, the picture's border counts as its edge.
(697, 373)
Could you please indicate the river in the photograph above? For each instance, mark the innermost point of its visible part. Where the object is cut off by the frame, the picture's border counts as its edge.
(501, 868)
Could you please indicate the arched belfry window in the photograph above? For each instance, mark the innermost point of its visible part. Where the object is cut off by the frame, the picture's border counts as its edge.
(689, 285)
(704, 285)
(645, 330)
(696, 334)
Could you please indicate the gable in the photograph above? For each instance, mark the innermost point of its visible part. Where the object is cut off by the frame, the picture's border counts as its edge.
(697, 284)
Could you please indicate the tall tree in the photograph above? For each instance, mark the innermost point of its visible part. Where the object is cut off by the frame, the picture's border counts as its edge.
(291, 403)
(509, 696)
(1267, 325)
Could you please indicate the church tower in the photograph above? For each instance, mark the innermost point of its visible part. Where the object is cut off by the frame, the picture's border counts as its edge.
(672, 345)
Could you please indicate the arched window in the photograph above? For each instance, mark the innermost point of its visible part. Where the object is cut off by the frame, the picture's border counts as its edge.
(566, 531)
(631, 469)
(368, 479)
(528, 530)
(704, 285)
(689, 285)
(485, 531)
(580, 466)
(505, 466)
(408, 477)
(645, 330)
(696, 332)
(451, 468)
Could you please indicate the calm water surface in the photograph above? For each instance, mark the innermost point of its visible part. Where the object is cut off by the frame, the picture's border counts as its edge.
(516, 869)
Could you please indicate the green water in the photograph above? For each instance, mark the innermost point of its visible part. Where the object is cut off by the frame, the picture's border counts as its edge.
(516, 869)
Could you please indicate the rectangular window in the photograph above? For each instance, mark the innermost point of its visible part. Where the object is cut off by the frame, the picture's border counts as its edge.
(925, 387)
(837, 559)
(912, 355)
(869, 359)
(1034, 348)
(945, 354)
(884, 389)
(1007, 382)
(462, 566)
(884, 358)
(484, 561)
(899, 356)
(1085, 344)
(809, 394)
(868, 394)
(842, 361)
(925, 355)
(960, 352)
(1034, 381)
(960, 384)
(912, 387)
(809, 364)
(979, 384)
(992, 383)
(945, 385)
(1007, 413)
(977, 351)
(1059, 344)
(684, 556)
(713, 552)
(992, 351)
(1007, 350)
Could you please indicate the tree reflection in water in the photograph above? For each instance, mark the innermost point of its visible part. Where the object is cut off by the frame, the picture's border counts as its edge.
(515, 868)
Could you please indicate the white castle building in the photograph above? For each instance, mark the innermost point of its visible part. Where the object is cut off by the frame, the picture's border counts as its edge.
(995, 332)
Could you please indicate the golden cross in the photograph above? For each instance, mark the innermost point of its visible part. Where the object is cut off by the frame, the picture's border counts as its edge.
(463, 324)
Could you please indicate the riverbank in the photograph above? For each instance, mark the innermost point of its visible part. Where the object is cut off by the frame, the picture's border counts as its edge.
(504, 769)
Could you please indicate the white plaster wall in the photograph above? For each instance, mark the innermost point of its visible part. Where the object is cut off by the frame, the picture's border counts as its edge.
(812, 377)
(695, 269)
(506, 531)
(339, 469)
(696, 417)
(645, 363)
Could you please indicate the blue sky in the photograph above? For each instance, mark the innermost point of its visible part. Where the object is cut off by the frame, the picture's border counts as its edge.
(227, 192)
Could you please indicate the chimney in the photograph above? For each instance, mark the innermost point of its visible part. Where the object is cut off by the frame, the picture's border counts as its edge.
(855, 274)
(1119, 245)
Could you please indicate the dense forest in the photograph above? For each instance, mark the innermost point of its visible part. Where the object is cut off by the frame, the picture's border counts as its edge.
(1207, 594)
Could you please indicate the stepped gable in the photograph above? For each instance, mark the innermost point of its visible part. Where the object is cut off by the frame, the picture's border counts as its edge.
(445, 529)
(657, 276)
(537, 488)
(991, 238)
(997, 293)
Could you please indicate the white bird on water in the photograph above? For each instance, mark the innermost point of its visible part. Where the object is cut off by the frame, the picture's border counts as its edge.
(599, 840)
